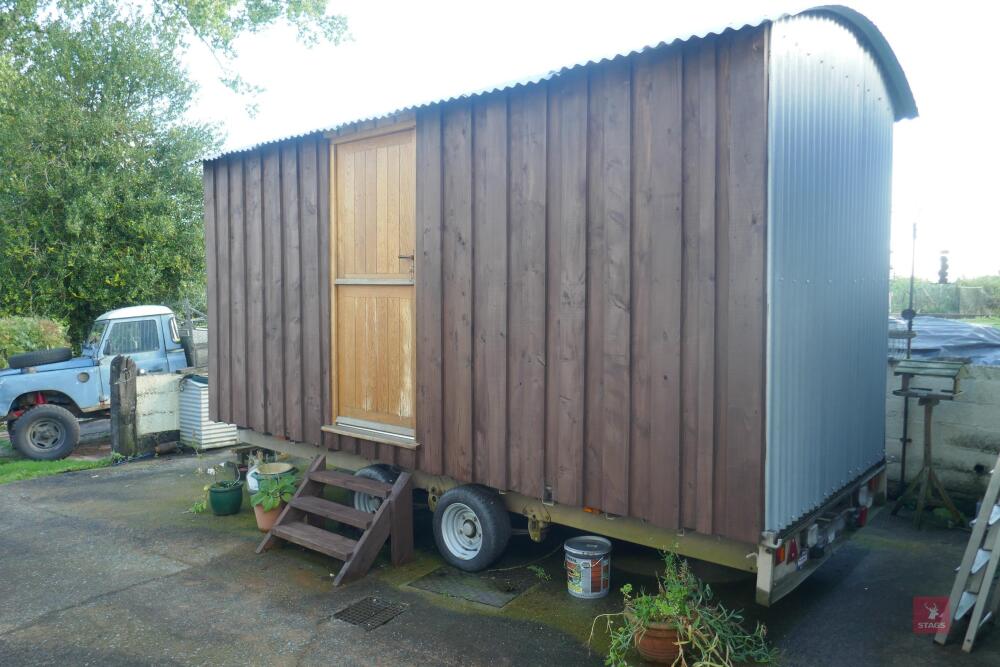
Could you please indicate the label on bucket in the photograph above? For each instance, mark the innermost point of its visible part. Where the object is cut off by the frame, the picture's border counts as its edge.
(588, 578)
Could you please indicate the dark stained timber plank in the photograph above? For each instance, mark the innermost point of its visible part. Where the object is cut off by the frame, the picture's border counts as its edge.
(274, 389)
(720, 502)
(744, 460)
(698, 316)
(489, 301)
(457, 292)
(351, 482)
(317, 539)
(616, 214)
(597, 297)
(312, 370)
(328, 440)
(222, 378)
(527, 291)
(663, 199)
(212, 291)
(567, 317)
(333, 511)
(238, 292)
(429, 292)
(292, 298)
(254, 254)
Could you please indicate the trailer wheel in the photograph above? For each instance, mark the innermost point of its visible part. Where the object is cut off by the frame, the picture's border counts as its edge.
(46, 433)
(471, 527)
(380, 472)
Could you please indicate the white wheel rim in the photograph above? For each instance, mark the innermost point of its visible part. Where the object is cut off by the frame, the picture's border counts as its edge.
(461, 531)
(365, 502)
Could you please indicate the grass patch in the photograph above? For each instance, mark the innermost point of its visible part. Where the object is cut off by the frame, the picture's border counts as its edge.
(21, 469)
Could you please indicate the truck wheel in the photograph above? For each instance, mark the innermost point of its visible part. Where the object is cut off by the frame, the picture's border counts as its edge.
(39, 357)
(380, 472)
(46, 433)
(471, 527)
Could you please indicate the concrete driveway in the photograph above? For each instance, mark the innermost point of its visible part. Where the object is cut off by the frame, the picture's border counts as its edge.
(105, 567)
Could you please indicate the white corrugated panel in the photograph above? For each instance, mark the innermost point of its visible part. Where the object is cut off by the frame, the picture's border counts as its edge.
(197, 430)
(829, 194)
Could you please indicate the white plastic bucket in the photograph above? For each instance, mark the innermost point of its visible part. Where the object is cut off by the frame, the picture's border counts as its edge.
(588, 566)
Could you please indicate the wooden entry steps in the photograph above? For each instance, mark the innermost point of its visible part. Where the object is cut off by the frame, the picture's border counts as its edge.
(301, 522)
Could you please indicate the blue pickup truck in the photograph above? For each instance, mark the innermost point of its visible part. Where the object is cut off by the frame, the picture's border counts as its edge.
(44, 393)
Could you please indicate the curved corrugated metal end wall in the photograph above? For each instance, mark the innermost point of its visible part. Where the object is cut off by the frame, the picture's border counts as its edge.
(829, 192)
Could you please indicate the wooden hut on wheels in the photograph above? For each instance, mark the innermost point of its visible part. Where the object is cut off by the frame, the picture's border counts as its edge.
(644, 296)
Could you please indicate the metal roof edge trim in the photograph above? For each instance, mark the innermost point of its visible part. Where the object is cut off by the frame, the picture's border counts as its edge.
(904, 105)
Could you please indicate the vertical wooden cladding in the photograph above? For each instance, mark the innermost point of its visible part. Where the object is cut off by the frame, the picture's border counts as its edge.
(590, 286)
(266, 250)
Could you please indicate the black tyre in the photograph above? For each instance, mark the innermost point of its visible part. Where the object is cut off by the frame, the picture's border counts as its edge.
(471, 527)
(380, 472)
(46, 433)
(39, 357)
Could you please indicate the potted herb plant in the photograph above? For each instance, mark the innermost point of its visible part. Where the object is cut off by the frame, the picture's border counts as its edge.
(226, 497)
(270, 499)
(680, 625)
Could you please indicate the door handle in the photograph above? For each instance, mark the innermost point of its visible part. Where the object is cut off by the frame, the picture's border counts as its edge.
(409, 257)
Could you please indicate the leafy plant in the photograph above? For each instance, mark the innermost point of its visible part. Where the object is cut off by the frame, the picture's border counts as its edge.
(274, 491)
(227, 484)
(708, 634)
(540, 572)
(198, 507)
(100, 162)
(25, 334)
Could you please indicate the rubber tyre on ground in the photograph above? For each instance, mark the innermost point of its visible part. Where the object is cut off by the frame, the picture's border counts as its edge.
(471, 527)
(40, 357)
(380, 472)
(46, 433)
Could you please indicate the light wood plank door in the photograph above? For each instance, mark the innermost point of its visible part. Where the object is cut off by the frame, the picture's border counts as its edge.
(373, 290)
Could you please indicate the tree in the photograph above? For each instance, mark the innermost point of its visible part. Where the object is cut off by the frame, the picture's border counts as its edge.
(100, 175)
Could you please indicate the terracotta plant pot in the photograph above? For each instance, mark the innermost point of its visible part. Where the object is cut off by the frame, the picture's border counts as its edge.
(657, 643)
(266, 519)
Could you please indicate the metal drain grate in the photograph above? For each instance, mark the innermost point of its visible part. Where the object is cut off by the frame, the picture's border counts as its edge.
(369, 613)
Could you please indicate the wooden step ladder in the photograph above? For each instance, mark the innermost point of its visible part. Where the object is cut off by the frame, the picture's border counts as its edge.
(302, 520)
(975, 590)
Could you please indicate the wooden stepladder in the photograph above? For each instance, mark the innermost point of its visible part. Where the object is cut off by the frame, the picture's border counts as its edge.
(302, 521)
(974, 589)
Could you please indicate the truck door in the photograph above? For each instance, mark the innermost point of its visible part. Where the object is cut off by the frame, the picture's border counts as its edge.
(139, 339)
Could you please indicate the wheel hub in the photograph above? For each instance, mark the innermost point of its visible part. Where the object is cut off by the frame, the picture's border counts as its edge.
(461, 531)
(45, 433)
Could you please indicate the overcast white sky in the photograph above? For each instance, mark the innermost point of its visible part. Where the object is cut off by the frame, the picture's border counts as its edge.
(946, 174)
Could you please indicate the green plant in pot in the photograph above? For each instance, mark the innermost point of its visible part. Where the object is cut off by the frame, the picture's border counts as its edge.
(226, 497)
(679, 625)
(270, 499)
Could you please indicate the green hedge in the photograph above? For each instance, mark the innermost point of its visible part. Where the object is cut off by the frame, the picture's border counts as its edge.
(24, 334)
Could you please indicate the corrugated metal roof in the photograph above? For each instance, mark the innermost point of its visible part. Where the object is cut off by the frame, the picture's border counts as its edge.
(899, 89)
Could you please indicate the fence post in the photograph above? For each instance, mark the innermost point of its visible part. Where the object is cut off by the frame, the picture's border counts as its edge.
(124, 438)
